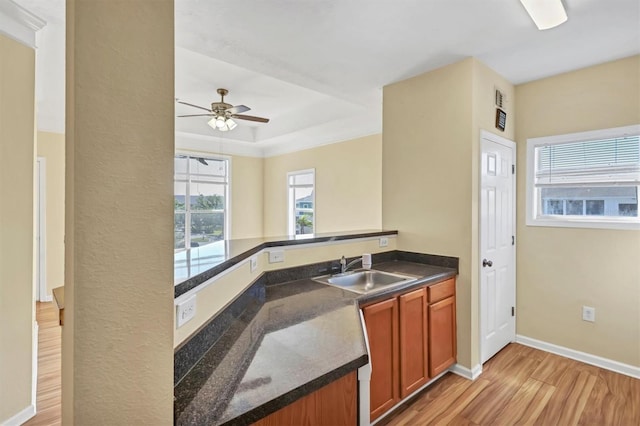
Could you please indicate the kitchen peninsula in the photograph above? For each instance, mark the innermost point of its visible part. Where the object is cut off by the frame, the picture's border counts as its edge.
(285, 336)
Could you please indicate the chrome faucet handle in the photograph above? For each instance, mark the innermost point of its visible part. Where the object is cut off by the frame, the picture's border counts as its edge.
(343, 264)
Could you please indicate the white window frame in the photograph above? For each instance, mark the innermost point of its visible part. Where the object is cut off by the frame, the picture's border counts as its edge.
(291, 210)
(227, 195)
(598, 222)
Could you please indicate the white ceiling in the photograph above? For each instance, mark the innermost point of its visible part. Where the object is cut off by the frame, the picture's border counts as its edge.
(316, 68)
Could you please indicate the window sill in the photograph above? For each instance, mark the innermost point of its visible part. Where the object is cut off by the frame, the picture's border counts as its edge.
(583, 223)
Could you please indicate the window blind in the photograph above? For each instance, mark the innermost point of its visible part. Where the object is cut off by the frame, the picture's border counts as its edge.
(594, 163)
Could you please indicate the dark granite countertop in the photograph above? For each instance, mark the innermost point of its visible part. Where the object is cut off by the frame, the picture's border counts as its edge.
(193, 266)
(302, 336)
(286, 341)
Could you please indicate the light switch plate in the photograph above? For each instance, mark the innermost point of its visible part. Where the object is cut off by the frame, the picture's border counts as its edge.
(384, 242)
(276, 256)
(185, 311)
(254, 263)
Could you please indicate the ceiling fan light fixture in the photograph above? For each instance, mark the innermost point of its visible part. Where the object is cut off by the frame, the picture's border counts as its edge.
(220, 122)
(545, 14)
(221, 113)
(231, 124)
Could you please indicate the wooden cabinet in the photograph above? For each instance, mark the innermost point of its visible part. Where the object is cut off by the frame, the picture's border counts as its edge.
(382, 329)
(412, 338)
(442, 326)
(333, 404)
(414, 358)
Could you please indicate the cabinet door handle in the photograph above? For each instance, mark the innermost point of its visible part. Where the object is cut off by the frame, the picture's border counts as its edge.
(486, 263)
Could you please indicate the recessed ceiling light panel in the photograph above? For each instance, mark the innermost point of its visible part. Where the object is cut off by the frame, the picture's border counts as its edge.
(545, 13)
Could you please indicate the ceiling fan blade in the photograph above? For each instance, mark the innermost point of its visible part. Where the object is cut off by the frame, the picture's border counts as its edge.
(251, 118)
(195, 106)
(238, 109)
(197, 115)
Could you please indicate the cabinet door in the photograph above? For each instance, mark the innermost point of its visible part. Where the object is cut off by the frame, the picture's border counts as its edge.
(442, 335)
(381, 320)
(413, 341)
(333, 404)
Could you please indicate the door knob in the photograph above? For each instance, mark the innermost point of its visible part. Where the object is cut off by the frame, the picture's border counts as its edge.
(486, 263)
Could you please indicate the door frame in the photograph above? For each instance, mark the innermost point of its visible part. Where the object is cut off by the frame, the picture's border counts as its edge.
(41, 231)
(492, 137)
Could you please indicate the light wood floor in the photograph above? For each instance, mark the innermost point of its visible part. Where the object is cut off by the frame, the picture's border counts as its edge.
(521, 385)
(48, 399)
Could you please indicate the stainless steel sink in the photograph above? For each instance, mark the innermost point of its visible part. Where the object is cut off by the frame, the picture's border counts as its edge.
(365, 281)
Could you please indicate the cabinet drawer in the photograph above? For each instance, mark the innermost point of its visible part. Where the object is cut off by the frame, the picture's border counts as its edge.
(441, 290)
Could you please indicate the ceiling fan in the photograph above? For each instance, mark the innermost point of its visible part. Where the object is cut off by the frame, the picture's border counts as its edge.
(223, 113)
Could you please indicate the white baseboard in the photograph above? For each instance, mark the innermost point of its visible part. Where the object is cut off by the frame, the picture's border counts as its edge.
(20, 417)
(607, 364)
(470, 374)
(46, 299)
(34, 365)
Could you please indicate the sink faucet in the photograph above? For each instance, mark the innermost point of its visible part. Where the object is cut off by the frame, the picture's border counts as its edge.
(365, 259)
(344, 266)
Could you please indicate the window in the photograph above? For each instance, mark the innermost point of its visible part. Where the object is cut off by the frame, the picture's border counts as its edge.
(201, 194)
(628, 209)
(595, 208)
(575, 207)
(589, 179)
(301, 187)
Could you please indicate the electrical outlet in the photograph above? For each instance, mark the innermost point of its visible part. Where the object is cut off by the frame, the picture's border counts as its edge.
(185, 311)
(276, 256)
(384, 242)
(588, 314)
(254, 263)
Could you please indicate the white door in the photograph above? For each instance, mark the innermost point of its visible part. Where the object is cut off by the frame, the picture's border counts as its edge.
(497, 244)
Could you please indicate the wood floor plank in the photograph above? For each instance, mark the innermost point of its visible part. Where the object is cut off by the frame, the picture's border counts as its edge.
(494, 368)
(525, 386)
(442, 391)
(461, 421)
(446, 393)
(527, 404)
(569, 400)
(603, 407)
(455, 409)
(485, 408)
(551, 369)
(626, 391)
(49, 391)
(529, 352)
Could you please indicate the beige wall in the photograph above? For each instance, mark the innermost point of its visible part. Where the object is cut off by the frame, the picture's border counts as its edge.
(348, 186)
(430, 157)
(117, 344)
(562, 269)
(17, 91)
(51, 147)
(247, 202)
